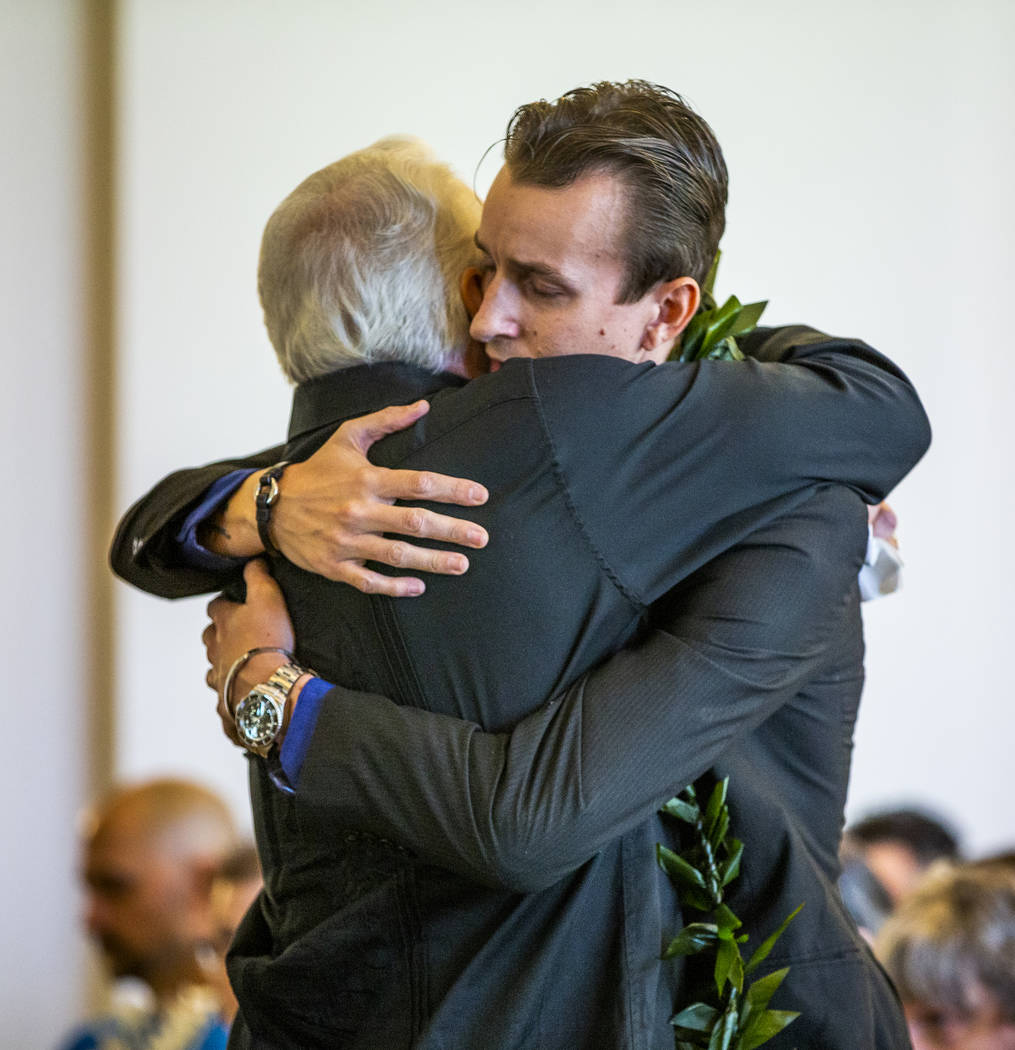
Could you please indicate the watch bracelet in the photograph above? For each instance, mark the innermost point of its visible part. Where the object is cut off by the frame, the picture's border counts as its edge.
(278, 687)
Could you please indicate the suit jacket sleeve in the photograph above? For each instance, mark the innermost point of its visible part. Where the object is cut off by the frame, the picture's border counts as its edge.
(706, 451)
(145, 551)
(521, 809)
(843, 413)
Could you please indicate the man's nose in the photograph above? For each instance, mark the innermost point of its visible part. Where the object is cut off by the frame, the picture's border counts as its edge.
(497, 314)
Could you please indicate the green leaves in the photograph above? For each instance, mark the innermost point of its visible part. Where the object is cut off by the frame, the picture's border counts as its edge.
(729, 966)
(681, 809)
(760, 1023)
(692, 939)
(732, 869)
(769, 943)
(739, 1019)
(694, 1025)
(712, 333)
(765, 1027)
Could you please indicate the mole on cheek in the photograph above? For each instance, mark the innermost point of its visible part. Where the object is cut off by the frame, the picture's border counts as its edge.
(602, 331)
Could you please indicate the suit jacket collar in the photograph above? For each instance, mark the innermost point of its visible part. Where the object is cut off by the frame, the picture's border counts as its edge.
(334, 398)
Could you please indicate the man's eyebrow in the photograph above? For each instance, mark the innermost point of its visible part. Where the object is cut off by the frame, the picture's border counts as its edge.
(522, 267)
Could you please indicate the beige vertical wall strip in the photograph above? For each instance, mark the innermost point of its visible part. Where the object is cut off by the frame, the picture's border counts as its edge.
(99, 90)
(52, 597)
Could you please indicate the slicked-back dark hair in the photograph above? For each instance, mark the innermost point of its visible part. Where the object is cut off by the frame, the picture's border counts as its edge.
(663, 151)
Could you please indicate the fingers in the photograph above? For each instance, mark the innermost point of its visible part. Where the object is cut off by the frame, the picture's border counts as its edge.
(370, 582)
(399, 555)
(420, 524)
(429, 486)
(212, 678)
(405, 484)
(886, 521)
(883, 521)
(365, 430)
(228, 722)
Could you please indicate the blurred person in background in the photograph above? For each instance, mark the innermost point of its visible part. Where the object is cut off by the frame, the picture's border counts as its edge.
(234, 889)
(151, 852)
(950, 948)
(884, 856)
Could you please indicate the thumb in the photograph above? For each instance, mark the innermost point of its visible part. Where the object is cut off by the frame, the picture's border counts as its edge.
(256, 576)
(365, 430)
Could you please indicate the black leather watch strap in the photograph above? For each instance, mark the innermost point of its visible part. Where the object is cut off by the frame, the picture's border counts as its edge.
(264, 501)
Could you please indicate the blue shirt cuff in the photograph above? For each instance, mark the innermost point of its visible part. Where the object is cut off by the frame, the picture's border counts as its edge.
(191, 551)
(301, 730)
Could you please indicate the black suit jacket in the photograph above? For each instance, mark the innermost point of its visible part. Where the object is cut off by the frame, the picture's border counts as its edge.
(356, 942)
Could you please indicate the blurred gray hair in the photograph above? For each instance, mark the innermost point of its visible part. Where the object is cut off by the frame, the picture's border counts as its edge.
(361, 263)
(953, 938)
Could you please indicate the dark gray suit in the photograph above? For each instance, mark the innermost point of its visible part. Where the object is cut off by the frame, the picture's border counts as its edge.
(359, 944)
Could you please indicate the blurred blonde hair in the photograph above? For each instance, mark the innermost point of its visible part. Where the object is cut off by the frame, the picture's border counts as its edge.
(953, 938)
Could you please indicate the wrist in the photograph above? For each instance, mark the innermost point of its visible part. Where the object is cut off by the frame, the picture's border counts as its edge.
(297, 688)
(263, 714)
(232, 531)
(256, 670)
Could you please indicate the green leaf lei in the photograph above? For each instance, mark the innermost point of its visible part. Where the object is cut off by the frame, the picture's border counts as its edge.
(739, 1019)
(712, 333)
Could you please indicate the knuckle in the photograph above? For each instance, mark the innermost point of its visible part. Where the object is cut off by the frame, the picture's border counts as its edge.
(355, 513)
(424, 483)
(398, 554)
(362, 478)
(414, 521)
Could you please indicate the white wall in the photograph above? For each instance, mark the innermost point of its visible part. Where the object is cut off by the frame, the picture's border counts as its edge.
(871, 147)
(44, 576)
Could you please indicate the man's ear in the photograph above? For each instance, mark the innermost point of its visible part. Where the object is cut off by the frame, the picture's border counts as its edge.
(471, 289)
(677, 303)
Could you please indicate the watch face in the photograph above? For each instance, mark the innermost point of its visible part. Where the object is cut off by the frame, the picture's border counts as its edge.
(258, 719)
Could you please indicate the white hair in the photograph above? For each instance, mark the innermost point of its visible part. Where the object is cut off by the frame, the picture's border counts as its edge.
(361, 263)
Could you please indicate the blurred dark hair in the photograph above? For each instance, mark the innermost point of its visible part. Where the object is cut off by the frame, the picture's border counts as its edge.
(928, 838)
